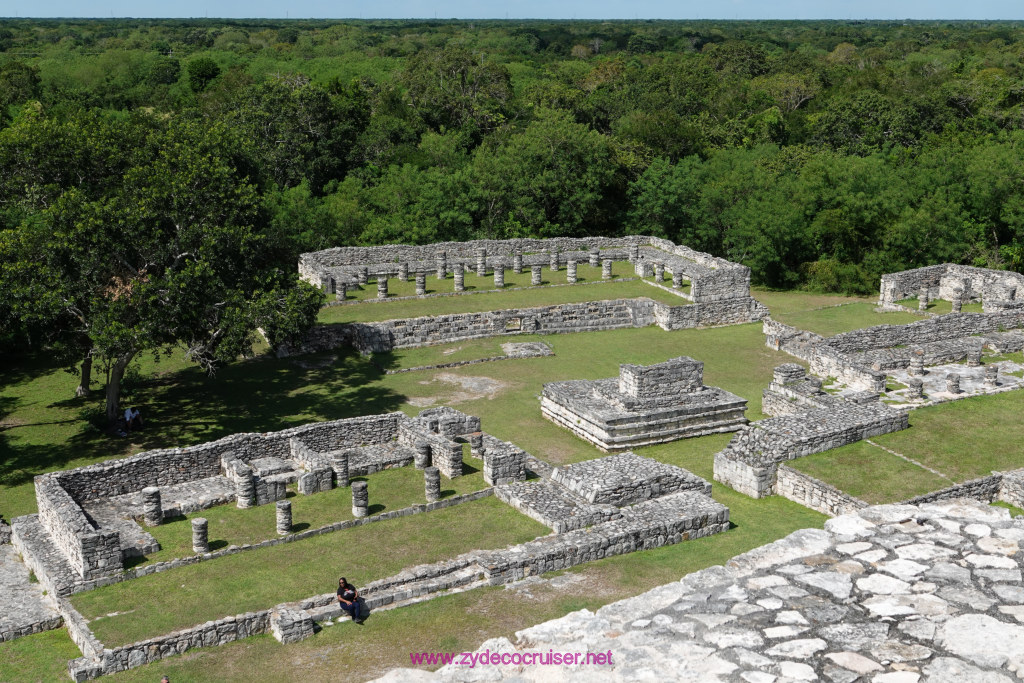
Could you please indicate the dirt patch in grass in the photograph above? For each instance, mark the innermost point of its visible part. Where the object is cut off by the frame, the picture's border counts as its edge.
(469, 389)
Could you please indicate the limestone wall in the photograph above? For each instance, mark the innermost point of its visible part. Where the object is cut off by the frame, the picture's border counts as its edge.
(89, 552)
(662, 380)
(611, 314)
(948, 281)
(814, 494)
(940, 328)
(1011, 489)
(168, 466)
(985, 489)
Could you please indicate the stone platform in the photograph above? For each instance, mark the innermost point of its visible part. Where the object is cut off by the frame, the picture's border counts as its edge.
(24, 609)
(890, 594)
(554, 506)
(626, 478)
(365, 460)
(643, 406)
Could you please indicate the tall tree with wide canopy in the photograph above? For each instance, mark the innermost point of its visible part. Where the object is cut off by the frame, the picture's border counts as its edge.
(177, 255)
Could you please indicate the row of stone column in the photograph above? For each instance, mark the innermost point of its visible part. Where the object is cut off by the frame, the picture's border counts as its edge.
(916, 384)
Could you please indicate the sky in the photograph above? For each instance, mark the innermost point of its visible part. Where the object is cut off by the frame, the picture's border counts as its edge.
(520, 9)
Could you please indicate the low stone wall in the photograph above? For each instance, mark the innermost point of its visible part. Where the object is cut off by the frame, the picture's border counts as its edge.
(651, 524)
(985, 489)
(591, 316)
(814, 494)
(165, 467)
(5, 532)
(749, 463)
(939, 328)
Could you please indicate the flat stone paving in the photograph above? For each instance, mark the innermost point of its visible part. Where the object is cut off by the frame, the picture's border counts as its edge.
(526, 349)
(553, 505)
(369, 459)
(890, 594)
(23, 607)
(626, 478)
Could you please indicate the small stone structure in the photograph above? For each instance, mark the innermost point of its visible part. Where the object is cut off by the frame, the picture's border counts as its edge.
(810, 421)
(200, 535)
(592, 492)
(644, 405)
(996, 289)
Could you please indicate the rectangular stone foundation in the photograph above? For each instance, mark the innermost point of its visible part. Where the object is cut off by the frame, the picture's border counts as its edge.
(626, 478)
(592, 417)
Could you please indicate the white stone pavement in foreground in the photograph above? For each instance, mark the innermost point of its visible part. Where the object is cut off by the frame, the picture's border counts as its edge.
(891, 594)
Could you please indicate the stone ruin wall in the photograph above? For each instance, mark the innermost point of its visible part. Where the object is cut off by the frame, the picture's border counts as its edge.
(165, 467)
(591, 316)
(950, 326)
(666, 380)
(949, 281)
(813, 493)
(90, 553)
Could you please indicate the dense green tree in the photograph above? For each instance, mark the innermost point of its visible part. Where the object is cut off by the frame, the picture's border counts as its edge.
(201, 71)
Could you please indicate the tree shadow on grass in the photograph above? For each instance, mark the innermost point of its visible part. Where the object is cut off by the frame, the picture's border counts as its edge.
(187, 407)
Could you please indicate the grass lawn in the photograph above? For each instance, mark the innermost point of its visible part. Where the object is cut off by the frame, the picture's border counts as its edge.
(164, 602)
(228, 525)
(870, 473)
(472, 349)
(519, 298)
(39, 657)
(837, 319)
(965, 439)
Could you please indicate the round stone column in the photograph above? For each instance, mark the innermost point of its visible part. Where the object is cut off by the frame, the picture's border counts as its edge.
(659, 271)
(442, 265)
(677, 280)
(535, 275)
(360, 499)
(481, 262)
(916, 385)
(421, 284)
(152, 511)
(922, 300)
(499, 276)
(200, 536)
(595, 258)
(245, 490)
(363, 275)
(341, 469)
(991, 376)
(570, 272)
(432, 483)
(422, 455)
(606, 269)
(403, 272)
(459, 271)
(517, 261)
(342, 291)
(382, 287)
(284, 517)
(974, 356)
(953, 383)
(958, 304)
(916, 368)
(553, 261)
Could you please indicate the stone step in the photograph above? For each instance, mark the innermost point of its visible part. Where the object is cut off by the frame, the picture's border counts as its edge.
(406, 594)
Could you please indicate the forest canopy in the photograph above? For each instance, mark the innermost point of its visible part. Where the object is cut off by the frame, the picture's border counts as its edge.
(820, 154)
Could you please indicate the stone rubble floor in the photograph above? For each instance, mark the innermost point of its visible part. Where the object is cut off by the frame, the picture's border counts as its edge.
(23, 607)
(553, 505)
(972, 381)
(890, 594)
(526, 349)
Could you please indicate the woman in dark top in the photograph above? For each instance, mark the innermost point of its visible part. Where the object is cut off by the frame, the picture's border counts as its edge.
(348, 598)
